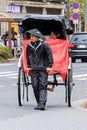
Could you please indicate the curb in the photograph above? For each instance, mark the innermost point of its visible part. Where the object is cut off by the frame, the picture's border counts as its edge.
(9, 60)
(80, 104)
(13, 60)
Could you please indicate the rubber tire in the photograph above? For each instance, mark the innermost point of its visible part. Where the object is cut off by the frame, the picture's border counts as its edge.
(19, 86)
(69, 87)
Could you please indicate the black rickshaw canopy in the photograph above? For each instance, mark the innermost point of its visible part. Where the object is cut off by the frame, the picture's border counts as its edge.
(46, 23)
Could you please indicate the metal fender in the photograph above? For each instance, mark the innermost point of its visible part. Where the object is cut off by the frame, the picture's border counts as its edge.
(20, 61)
(69, 66)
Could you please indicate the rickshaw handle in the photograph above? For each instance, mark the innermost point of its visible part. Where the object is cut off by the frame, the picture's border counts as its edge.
(37, 69)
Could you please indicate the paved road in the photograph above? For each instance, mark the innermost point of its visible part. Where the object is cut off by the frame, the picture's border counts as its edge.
(57, 115)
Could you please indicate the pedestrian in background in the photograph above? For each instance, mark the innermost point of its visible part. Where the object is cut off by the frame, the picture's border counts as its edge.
(12, 45)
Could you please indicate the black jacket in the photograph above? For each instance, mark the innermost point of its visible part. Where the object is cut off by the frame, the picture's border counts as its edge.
(39, 55)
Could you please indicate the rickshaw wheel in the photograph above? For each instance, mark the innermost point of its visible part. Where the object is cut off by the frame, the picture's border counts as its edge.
(22, 87)
(69, 87)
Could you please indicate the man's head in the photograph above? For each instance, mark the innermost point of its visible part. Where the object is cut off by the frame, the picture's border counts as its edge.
(34, 38)
(34, 35)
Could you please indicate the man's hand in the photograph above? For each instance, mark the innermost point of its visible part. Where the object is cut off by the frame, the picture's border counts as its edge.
(29, 69)
(48, 69)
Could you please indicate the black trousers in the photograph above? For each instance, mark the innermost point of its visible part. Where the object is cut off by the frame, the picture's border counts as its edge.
(39, 84)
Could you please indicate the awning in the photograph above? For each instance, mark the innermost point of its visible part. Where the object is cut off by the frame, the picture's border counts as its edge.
(17, 16)
(11, 17)
(4, 17)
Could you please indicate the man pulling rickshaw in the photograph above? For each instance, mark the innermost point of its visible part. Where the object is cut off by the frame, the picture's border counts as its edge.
(39, 56)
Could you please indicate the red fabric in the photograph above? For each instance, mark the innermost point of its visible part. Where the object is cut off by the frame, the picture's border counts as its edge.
(24, 46)
(60, 56)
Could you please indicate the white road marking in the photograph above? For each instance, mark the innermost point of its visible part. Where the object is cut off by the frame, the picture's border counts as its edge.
(7, 72)
(80, 75)
(11, 85)
(82, 78)
(5, 64)
(1, 86)
(6, 75)
(14, 77)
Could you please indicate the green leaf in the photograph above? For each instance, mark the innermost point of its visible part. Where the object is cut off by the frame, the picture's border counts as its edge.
(4, 53)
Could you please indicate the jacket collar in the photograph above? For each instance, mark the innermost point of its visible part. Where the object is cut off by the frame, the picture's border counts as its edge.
(40, 43)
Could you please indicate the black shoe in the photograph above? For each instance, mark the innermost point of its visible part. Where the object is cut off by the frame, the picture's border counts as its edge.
(42, 107)
(36, 108)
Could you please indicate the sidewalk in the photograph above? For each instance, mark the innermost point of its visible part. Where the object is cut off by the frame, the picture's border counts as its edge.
(56, 118)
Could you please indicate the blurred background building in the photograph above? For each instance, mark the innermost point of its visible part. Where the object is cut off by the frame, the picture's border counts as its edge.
(17, 9)
(37, 6)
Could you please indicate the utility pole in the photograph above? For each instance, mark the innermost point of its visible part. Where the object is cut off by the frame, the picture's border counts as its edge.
(68, 9)
(85, 15)
(68, 14)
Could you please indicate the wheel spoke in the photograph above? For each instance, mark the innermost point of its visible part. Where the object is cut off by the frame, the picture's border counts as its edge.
(22, 85)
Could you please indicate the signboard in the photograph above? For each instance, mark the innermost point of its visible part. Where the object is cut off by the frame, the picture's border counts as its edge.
(75, 5)
(75, 21)
(75, 16)
(13, 8)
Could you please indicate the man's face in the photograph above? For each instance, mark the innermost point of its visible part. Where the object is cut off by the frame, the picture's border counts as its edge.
(33, 38)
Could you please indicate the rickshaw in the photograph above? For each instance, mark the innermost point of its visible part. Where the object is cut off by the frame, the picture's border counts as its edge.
(62, 62)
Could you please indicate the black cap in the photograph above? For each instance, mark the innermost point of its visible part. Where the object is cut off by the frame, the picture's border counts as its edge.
(35, 32)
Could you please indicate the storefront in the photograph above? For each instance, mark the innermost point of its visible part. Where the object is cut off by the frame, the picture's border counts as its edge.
(9, 21)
